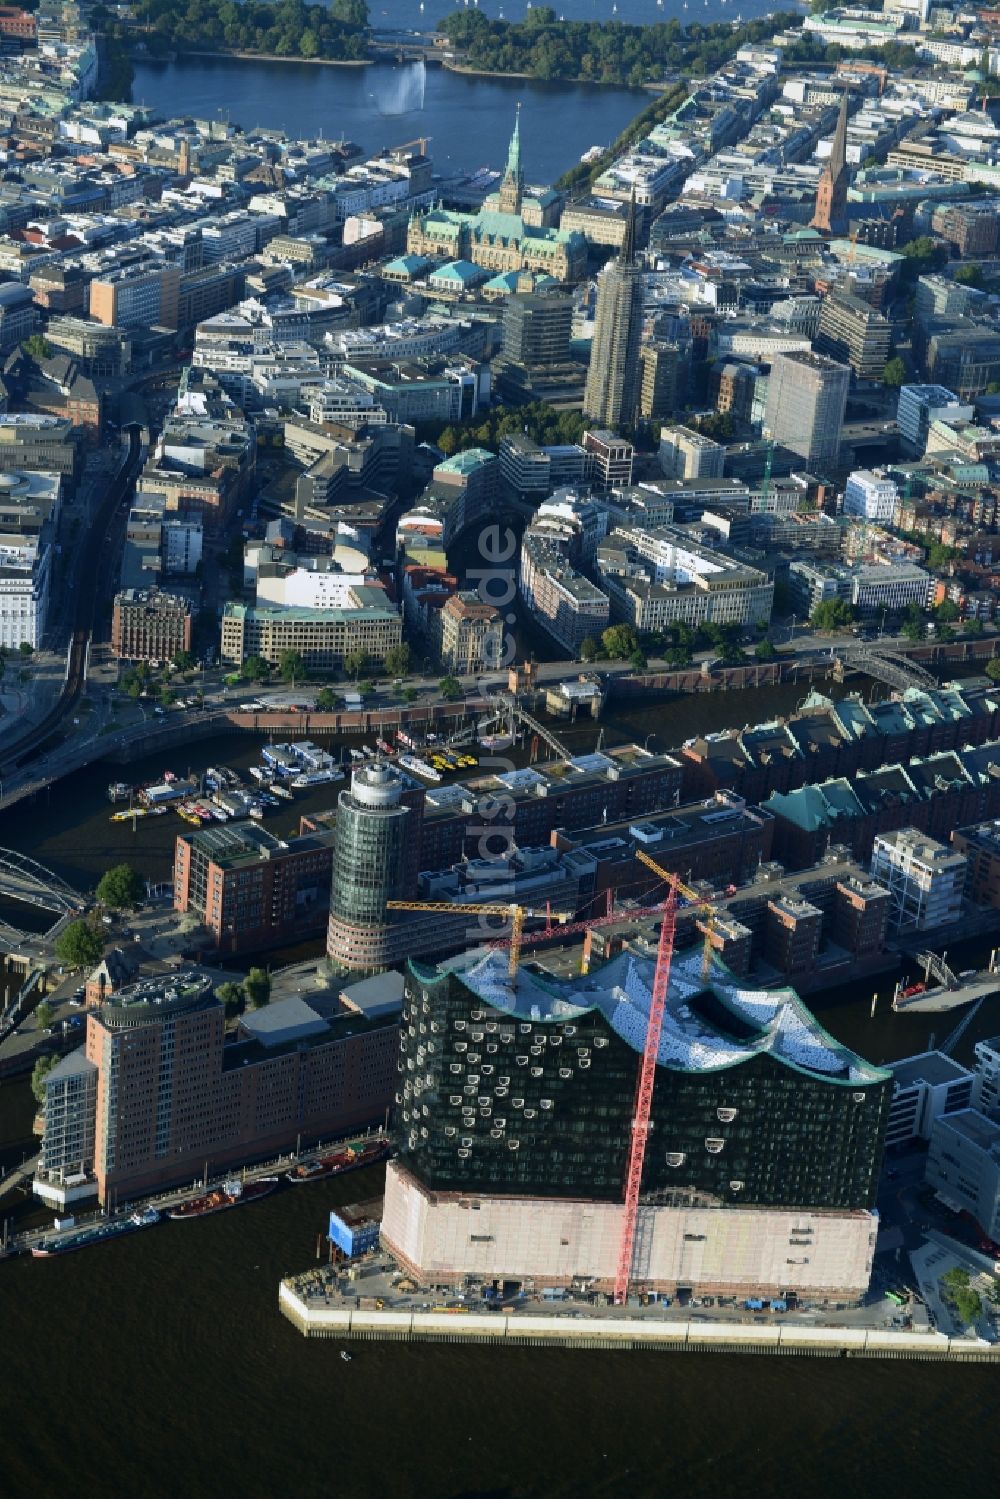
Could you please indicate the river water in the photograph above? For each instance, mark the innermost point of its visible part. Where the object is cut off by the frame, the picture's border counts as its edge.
(159, 1363)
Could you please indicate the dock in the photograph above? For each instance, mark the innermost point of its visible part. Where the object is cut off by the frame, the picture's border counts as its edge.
(315, 1318)
(951, 991)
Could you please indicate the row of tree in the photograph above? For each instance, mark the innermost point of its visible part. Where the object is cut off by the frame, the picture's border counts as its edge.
(290, 28)
(540, 421)
(544, 46)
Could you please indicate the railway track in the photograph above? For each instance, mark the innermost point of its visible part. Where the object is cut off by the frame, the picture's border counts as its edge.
(91, 576)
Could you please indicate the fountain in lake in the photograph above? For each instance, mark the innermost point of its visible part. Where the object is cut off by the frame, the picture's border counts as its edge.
(403, 92)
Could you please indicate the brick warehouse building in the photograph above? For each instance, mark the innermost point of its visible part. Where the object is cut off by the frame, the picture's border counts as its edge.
(250, 889)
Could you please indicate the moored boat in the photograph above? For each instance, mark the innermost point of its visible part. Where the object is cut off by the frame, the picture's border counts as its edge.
(95, 1233)
(339, 1161)
(232, 1194)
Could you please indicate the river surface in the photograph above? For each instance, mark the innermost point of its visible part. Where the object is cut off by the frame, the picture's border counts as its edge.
(467, 119)
(158, 1364)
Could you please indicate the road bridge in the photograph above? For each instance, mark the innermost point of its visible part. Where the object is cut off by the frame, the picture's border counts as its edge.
(24, 879)
(890, 667)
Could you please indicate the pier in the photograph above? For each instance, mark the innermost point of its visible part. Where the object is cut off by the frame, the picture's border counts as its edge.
(315, 1318)
(951, 991)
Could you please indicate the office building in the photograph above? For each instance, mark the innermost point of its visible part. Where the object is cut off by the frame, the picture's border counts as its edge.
(147, 625)
(922, 405)
(144, 296)
(970, 228)
(609, 459)
(25, 584)
(611, 398)
(158, 1096)
(375, 859)
(557, 594)
(662, 369)
(963, 1167)
(855, 333)
(806, 401)
(870, 497)
(766, 1135)
(924, 878)
(536, 330)
(323, 637)
(830, 216)
(469, 636)
(979, 845)
(685, 454)
(17, 315)
(657, 577)
(38, 444)
(251, 890)
(925, 1088)
(986, 1079)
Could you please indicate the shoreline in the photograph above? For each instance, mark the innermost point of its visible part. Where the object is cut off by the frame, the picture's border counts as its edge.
(326, 62)
(644, 88)
(610, 1334)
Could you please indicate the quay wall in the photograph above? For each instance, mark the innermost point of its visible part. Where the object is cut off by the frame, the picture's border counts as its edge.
(611, 1333)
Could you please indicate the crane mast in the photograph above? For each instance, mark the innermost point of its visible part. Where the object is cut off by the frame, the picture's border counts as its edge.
(644, 1096)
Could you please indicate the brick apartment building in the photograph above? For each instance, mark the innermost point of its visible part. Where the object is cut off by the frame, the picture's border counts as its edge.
(157, 1095)
(250, 889)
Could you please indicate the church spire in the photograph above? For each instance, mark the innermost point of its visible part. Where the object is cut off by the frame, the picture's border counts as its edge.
(627, 256)
(838, 151)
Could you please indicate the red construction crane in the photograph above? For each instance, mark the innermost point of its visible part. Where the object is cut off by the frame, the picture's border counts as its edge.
(644, 1094)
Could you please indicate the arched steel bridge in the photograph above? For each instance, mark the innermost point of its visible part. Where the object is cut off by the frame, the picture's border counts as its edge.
(26, 880)
(894, 669)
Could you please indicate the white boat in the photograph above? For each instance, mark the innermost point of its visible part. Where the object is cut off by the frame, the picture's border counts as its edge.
(419, 767)
(278, 790)
(316, 778)
(259, 775)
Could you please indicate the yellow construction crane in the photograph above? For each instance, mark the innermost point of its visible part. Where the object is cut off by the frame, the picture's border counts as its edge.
(678, 884)
(515, 912)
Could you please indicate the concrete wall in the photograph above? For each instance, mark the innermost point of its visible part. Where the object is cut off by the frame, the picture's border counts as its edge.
(443, 1237)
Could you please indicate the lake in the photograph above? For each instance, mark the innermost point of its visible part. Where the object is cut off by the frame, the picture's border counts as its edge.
(467, 119)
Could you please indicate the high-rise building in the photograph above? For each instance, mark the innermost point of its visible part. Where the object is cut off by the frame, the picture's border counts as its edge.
(831, 194)
(764, 1150)
(854, 332)
(661, 370)
(143, 296)
(158, 1094)
(536, 329)
(870, 496)
(806, 401)
(375, 859)
(614, 378)
(150, 626)
(685, 454)
(922, 405)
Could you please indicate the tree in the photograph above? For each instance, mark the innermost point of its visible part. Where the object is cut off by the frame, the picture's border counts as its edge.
(44, 1014)
(308, 43)
(183, 661)
(355, 662)
(969, 275)
(80, 945)
(973, 626)
(450, 689)
(326, 700)
(832, 614)
(637, 660)
(946, 612)
(167, 696)
(992, 668)
(914, 626)
(967, 1302)
(410, 694)
(765, 651)
(257, 988)
(120, 887)
(26, 648)
(588, 649)
(619, 641)
(945, 632)
(894, 372)
(232, 997)
(292, 667)
(397, 660)
(39, 1073)
(256, 669)
(37, 346)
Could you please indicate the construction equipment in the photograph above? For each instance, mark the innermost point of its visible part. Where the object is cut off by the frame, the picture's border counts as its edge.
(708, 909)
(516, 913)
(647, 1072)
(644, 1093)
